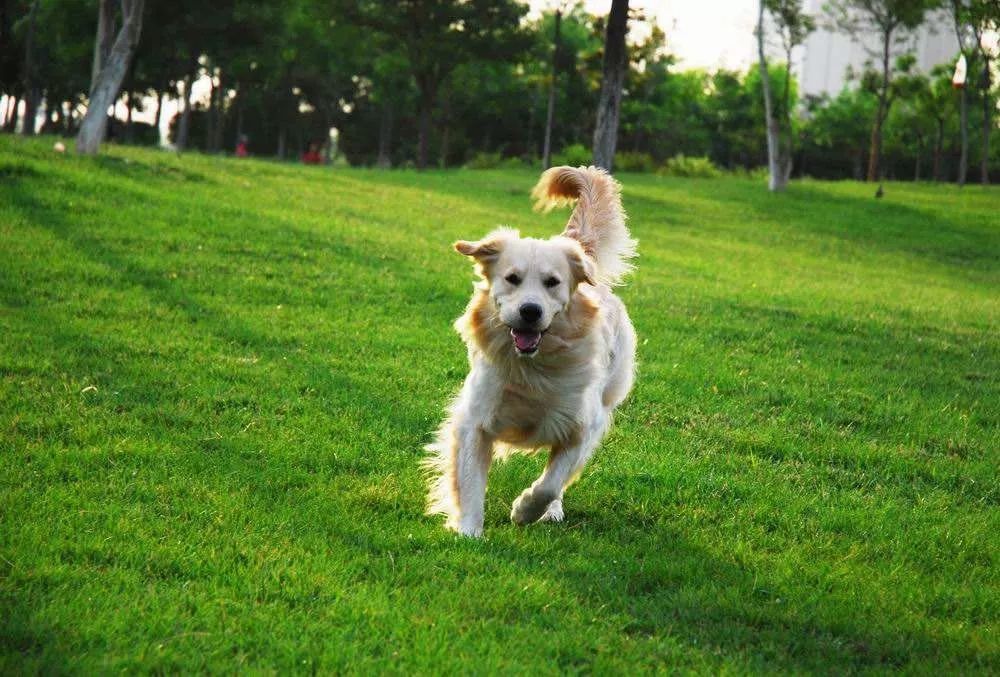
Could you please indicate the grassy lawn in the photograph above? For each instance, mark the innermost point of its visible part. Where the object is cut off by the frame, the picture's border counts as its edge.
(216, 377)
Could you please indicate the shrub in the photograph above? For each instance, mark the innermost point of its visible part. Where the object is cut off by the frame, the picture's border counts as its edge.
(634, 162)
(574, 156)
(692, 167)
(482, 160)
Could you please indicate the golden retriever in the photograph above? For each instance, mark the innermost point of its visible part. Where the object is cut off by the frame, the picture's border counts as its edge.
(551, 352)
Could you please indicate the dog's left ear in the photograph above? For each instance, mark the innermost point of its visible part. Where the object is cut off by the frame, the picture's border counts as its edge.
(582, 266)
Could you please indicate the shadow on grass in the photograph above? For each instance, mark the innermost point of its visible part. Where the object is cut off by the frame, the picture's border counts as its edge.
(666, 585)
(143, 171)
(310, 371)
(965, 246)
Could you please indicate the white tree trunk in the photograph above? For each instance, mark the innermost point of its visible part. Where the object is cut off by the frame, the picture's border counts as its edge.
(105, 38)
(778, 169)
(184, 125)
(550, 113)
(105, 87)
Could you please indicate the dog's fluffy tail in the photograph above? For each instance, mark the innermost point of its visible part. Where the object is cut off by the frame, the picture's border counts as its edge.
(597, 221)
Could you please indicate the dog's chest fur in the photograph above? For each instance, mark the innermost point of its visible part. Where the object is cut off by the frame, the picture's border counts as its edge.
(543, 400)
(542, 410)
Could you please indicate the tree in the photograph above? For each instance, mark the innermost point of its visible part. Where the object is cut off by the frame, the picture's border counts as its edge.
(613, 76)
(911, 124)
(973, 19)
(31, 90)
(108, 77)
(438, 36)
(938, 104)
(837, 127)
(550, 111)
(793, 26)
(888, 21)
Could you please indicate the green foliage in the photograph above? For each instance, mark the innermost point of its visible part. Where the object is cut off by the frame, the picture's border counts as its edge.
(630, 161)
(217, 376)
(690, 167)
(574, 155)
(478, 73)
(496, 161)
(483, 160)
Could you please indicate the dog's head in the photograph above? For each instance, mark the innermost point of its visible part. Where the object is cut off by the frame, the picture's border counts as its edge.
(529, 281)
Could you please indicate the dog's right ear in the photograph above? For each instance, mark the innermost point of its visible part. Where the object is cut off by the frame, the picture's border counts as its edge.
(480, 250)
(488, 249)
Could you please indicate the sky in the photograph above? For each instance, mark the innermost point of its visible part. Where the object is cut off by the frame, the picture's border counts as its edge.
(700, 33)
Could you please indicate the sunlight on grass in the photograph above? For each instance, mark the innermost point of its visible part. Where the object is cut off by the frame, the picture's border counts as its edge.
(217, 375)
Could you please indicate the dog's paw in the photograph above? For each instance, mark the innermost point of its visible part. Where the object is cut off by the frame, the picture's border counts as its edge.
(468, 530)
(554, 513)
(530, 506)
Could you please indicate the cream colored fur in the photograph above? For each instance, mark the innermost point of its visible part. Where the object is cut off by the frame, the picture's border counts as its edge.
(561, 396)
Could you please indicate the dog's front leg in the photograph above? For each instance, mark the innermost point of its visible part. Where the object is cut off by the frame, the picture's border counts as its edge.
(459, 462)
(544, 496)
(472, 456)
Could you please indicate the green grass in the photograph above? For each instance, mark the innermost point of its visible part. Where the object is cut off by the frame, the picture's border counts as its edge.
(216, 377)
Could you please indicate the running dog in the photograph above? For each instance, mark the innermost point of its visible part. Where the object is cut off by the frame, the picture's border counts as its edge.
(551, 352)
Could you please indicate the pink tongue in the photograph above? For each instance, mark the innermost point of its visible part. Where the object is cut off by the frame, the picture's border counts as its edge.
(526, 340)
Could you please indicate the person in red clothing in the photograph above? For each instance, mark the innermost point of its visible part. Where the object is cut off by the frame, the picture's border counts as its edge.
(241, 146)
(312, 156)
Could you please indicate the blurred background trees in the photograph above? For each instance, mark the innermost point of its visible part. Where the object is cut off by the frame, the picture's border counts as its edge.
(449, 83)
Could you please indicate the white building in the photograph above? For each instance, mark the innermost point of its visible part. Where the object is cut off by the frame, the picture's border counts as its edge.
(827, 55)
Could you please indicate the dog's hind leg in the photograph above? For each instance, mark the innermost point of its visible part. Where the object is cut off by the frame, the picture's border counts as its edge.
(543, 499)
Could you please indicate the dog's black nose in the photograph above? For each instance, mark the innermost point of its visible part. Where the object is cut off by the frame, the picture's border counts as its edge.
(530, 312)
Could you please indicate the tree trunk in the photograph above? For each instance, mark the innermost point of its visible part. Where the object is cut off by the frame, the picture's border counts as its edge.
(384, 160)
(445, 132)
(984, 161)
(31, 93)
(45, 113)
(445, 142)
(281, 142)
(210, 118)
(11, 124)
(550, 114)
(220, 114)
(875, 147)
(104, 39)
(776, 173)
(105, 87)
(606, 128)
(129, 131)
(159, 112)
(428, 95)
(963, 160)
(239, 118)
(184, 126)
(938, 142)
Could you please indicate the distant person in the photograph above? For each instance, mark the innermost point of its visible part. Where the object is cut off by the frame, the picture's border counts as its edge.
(312, 156)
(241, 146)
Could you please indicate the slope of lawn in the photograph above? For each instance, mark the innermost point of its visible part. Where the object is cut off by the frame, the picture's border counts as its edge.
(216, 377)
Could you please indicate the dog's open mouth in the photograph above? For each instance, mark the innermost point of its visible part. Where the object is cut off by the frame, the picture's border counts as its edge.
(526, 340)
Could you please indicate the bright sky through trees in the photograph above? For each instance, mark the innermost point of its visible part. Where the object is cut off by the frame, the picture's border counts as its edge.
(702, 34)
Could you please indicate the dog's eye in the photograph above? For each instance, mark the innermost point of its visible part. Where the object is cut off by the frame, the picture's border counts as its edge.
(551, 282)
(513, 279)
